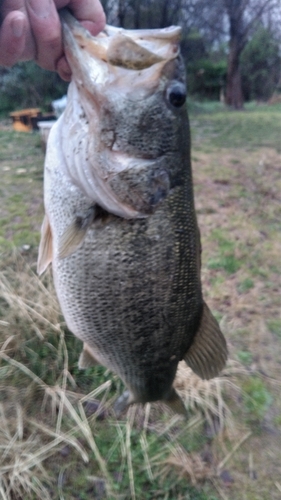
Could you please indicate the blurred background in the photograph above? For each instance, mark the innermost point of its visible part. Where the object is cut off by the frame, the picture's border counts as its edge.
(231, 50)
(59, 439)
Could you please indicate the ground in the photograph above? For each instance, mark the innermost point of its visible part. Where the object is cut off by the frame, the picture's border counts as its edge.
(56, 440)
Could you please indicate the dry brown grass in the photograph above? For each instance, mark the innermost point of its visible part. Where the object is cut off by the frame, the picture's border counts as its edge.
(27, 442)
(237, 197)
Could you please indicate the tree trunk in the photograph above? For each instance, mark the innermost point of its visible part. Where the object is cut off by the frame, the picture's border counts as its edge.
(164, 22)
(234, 94)
(235, 11)
(121, 13)
(137, 20)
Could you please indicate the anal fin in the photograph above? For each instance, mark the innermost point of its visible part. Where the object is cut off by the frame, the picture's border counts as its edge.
(123, 403)
(208, 353)
(175, 403)
(45, 252)
(86, 358)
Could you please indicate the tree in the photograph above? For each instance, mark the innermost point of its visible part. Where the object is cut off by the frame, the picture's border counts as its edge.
(27, 85)
(261, 65)
(136, 14)
(235, 20)
(243, 17)
(217, 22)
(220, 20)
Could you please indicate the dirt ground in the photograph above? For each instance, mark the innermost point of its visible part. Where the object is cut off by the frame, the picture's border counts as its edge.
(238, 195)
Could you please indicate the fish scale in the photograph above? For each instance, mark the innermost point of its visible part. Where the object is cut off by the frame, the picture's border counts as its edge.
(120, 227)
(171, 299)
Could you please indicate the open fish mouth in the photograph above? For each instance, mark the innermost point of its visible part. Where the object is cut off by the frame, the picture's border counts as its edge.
(129, 49)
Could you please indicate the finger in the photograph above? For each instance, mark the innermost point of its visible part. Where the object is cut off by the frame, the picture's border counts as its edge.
(12, 38)
(93, 27)
(90, 11)
(46, 28)
(63, 69)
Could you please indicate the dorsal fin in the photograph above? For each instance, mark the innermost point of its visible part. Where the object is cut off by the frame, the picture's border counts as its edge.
(45, 252)
(208, 353)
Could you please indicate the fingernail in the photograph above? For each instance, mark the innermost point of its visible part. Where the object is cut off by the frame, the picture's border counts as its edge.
(40, 7)
(18, 26)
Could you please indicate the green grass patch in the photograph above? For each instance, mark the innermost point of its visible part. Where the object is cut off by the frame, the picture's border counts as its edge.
(228, 263)
(226, 259)
(256, 399)
(274, 326)
(254, 127)
(21, 206)
(245, 285)
(245, 357)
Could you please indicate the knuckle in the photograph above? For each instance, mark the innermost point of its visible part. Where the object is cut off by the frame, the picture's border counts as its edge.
(51, 39)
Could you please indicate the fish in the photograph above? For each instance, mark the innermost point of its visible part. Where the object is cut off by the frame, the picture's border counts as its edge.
(120, 226)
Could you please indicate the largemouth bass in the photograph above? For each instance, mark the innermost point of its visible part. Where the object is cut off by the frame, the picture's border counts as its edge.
(120, 227)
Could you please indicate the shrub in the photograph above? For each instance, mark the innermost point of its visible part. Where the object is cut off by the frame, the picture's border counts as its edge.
(27, 85)
(206, 78)
(260, 66)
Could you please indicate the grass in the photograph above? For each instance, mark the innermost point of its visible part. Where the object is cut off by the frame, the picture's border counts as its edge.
(255, 127)
(69, 412)
(274, 326)
(58, 436)
(21, 191)
(256, 398)
(238, 186)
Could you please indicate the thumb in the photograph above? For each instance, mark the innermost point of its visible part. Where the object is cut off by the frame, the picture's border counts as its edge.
(12, 38)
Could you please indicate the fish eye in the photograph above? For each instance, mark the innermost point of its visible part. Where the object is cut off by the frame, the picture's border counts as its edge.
(176, 94)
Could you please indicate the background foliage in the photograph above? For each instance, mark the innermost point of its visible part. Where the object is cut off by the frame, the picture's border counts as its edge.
(206, 46)
(59, 438)
(260, 66)
(27, 85)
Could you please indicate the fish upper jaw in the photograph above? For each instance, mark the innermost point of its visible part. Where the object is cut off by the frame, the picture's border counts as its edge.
(116, 56)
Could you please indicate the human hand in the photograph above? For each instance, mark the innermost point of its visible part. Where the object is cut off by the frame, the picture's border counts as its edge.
(31, 29)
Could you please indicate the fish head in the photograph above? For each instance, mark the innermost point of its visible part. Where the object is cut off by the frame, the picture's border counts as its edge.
(131, 86)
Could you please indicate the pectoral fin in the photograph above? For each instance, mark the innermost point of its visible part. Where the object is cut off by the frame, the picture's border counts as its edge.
(75, 233)
(208, 353)
(86, 359)
(45, 252)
